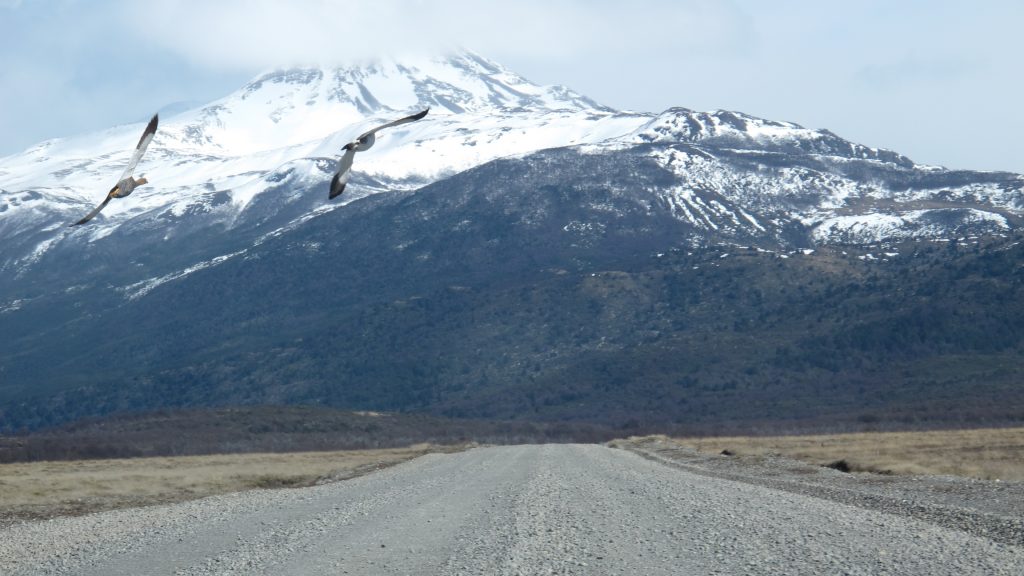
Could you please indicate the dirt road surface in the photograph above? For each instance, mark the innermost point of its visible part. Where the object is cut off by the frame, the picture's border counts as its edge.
(551, 509)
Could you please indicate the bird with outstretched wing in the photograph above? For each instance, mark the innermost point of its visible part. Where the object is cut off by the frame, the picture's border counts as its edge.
(361, 144)
(126, 184)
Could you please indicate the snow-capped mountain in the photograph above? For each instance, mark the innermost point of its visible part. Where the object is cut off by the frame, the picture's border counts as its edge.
(234, 250)
(840, 191)
(255, 161)
(228, 175)
(240, 162)
(479, 111)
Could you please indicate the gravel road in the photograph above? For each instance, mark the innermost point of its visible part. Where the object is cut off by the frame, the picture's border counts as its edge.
(552, 509)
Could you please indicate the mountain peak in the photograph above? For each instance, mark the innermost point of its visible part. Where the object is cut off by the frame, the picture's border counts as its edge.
(725, 128)
(479, 111)
(294, 106)
(453, 83)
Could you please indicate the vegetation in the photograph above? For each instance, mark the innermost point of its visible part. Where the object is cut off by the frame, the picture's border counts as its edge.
(42, 490)
(991, 454)
(470, 300)
(278, 429)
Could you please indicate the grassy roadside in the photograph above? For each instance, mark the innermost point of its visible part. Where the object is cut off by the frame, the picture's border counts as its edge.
(990, 454)
(39, 490)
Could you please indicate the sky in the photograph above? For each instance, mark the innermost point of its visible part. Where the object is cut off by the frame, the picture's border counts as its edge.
(939, 81)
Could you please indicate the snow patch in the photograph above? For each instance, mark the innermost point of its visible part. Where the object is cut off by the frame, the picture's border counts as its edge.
(877, 227)
(140, 289)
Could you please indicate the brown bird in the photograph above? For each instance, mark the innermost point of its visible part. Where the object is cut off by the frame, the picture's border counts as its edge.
(364, 142)
(127, 183)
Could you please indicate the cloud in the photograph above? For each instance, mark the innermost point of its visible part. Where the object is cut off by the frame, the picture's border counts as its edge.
(255, 34)
(69, 66)
(876, 71)
(76, 65)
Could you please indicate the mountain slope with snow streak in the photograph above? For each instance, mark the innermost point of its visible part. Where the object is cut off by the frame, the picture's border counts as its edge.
(520, 235)
(255, 161)
(479, 111)
(225, 174)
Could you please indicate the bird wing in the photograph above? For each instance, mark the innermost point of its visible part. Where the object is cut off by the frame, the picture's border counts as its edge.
(405, 120)
(345, 164)
(344, 172)
(140, 149)
(97, 209)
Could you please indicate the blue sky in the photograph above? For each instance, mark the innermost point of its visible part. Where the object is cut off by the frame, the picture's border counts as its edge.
(937, 80)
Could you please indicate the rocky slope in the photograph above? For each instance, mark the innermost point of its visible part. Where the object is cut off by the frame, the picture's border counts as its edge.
(493, 256)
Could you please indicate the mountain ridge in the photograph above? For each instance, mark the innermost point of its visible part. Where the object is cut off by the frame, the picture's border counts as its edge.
(554, 231)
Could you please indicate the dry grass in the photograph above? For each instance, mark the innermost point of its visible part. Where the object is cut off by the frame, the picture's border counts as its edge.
(995, 453)
(49, 489)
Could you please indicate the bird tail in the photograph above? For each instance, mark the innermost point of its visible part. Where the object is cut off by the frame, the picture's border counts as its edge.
(337, 185)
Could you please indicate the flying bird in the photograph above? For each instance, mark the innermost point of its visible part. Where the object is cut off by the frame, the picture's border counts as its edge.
(127, 183)
(364, 142)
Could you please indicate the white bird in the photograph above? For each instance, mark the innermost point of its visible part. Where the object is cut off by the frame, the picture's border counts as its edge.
(364, 142)
(127, 183)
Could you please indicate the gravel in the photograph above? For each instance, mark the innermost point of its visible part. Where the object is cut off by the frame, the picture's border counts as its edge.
(991, 509)
(552, 509)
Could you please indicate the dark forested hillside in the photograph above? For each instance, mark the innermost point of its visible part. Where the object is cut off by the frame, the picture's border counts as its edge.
(930, 334)
(555, 287)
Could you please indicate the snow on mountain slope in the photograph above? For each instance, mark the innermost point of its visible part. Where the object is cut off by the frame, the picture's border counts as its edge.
(479, 111)
(281, 135)
(723, 129)
(259, 160)
(841, 191)
(872, 228)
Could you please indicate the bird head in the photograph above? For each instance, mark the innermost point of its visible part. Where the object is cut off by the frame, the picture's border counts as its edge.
(141, 180)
